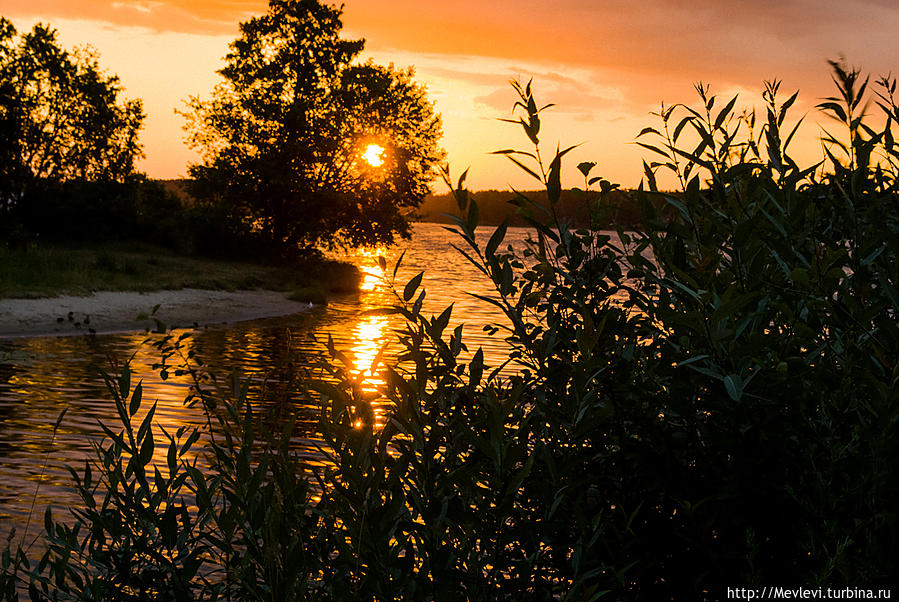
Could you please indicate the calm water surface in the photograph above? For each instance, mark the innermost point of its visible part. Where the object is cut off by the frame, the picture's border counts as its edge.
(41, 377)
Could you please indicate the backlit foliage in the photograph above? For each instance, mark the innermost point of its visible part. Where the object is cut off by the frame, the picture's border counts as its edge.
(284, 134)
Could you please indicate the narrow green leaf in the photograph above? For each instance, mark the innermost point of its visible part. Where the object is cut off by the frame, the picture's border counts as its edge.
(786, 105)
(440, 323)
(146, 449)
(648, 130)
(697, 358)
(525, 168)
(412, 286)
(734, 386)
(136, 396)
(476, 368)
(117, 438)
(496, 239)
(650, 177)
(147, 423)
(654, 149)
(460, 185)
(725, 112)
(399, 261)
(680, 126)
(473, 217)
(835, 108)
(554, 180)
(59, 419)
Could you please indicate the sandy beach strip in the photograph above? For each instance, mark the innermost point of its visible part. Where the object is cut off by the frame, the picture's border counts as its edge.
(104, 312)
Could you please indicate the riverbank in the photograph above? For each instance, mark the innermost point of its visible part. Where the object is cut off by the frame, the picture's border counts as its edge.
(122, 311)
(51, 290)
(50, 270)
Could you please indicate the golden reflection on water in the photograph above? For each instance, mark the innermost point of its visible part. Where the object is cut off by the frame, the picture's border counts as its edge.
(370, 333)
(369, 337)
(367, 262)
(371, 278)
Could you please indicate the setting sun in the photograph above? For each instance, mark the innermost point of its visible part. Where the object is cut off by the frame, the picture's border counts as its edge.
(373, 155)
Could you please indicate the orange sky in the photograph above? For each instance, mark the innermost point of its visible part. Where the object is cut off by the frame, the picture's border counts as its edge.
(605, 63)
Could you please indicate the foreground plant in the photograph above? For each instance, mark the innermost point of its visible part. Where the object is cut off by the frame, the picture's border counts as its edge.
(708, 400)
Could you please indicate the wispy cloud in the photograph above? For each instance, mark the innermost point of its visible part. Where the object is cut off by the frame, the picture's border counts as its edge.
(200, 17)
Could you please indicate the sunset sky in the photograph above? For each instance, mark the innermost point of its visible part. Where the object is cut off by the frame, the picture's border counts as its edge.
(605, 63)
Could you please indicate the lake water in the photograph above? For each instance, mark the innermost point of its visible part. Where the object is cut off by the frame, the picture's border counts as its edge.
(41, 377)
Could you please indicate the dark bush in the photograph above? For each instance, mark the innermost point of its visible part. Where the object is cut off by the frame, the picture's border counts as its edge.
(83, 212)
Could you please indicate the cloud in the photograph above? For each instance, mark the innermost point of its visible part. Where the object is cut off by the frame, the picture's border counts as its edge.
(649, 46)
(722, 41)
(200, 17)
(568, 95)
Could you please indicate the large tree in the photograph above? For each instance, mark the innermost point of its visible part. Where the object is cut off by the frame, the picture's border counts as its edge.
(60, 117)
(285, 133)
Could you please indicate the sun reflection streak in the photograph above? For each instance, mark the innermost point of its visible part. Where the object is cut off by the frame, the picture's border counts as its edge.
(369, 337)
(371, 279)
(368, 334)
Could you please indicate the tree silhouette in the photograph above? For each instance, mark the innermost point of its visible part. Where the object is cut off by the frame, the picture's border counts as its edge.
(60, 118)
(284, 135)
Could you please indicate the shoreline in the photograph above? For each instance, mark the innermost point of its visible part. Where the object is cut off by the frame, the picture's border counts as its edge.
(107, 312)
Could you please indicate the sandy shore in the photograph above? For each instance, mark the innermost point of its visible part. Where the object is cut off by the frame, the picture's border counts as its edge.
(119, 311)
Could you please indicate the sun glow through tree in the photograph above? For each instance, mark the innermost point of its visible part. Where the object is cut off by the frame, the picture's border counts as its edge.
(373, 154)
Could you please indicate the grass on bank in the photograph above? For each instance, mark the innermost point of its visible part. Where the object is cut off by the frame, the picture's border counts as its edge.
(50, 270)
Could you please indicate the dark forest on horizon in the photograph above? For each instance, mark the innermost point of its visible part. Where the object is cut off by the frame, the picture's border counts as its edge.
(620, 207)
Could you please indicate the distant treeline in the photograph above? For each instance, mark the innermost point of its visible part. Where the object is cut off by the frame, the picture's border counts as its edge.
(576, 206)
(136, 209)
(617, 207)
